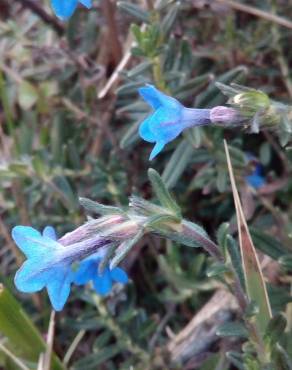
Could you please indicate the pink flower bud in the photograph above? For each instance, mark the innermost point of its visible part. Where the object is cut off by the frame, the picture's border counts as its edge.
(223, 115)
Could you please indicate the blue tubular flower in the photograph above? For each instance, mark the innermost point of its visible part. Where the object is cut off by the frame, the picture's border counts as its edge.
(256, 179)
(88, 271)
(65, 8)
(44, 266)
(49, 261)
(169, 118)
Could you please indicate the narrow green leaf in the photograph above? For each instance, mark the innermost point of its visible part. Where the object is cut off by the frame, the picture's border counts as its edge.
(134, 10)
(232, 329)
(144, 208)
(93, 360)
(286, 261)
(191, 85)
(139, 69)
(131, 136)
(162, 193)
(255, 285)
(236, 359)
(20, 330)
(168, 21)
(211, 96)
(217, 269)
(234, 253)
(267, 244)
(27, 95)
(124, 249)
(222, 234)
(62, 188)
(98, 208)
(161, 221)
(283, 360)
(128, 88)
(5, 104)
(275, 328)
(177, 163)
(187, 238)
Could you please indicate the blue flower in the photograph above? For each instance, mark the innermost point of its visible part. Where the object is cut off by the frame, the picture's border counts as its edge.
(169, 118)
(102, 283)
(256, 178)
(45, 265)
(65, 8)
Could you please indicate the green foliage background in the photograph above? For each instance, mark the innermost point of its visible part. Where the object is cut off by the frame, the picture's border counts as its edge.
(63, 136)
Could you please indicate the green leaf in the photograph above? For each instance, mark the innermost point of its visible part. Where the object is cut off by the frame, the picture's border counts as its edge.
(255, 285)
(234, 253)
(6, 105)
(145, 208)
(170, 18)
(232, 329)
(62, 188)
(267, 244)
(162, 193)
(93, 360)
(27, 95)
(217, 269)
(131, 136)
(97, 208)
(212, 96)
(221, 180)
(134, 10)
(124, 249)
(20, 330)
(236, 359)
(186, 238)
(286, 261)
(282, 358)
(161, 221)
(177, 163)
(222, 234)
(275, 329)
(139, 69)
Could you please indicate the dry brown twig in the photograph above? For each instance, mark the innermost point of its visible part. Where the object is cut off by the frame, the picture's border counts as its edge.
(200, 333)
(257, 12)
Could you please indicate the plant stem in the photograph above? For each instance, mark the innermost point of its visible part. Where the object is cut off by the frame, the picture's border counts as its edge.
(214, 250)
(207, 244)
(122, 337)
(47, 18)
(157, 74)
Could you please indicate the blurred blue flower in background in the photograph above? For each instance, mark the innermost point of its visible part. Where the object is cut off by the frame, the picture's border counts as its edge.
(256, 178)
(45, 265)
(169, 118)
(102, 283)
(65, 8)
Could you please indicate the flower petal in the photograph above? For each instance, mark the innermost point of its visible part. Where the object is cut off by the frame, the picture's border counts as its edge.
(103, 284)
(64, 8)
(163, 125)
(119, 275)
(166, 124)
(87, 271)
(156, 98)
(59, 286)
(49, 232)
(30, 279)
(30, 241)
(145, 131)
(157, 149)
(256, 181)
(86, 3)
